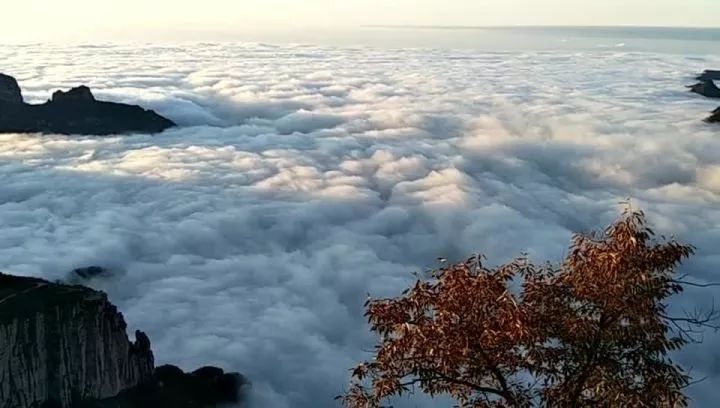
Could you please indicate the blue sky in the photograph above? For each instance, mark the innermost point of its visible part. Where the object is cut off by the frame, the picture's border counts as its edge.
(41, 19)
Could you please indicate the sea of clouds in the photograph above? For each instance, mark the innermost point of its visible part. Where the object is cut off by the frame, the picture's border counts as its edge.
(302, 179)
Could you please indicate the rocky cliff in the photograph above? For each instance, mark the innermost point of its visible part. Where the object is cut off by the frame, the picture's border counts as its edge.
(64, 343)
(73, 112)
(65, 346)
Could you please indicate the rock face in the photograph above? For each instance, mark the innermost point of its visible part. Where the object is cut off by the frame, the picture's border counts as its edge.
(64, 346)
(706, 88)
(714, 117)
(709, 75)
(60, 344)
(73, 112)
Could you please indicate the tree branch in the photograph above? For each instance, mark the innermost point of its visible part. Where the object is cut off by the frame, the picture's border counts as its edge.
(476, 387)
(498, 376)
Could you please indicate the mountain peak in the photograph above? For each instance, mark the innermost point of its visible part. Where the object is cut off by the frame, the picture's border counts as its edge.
(10, 90)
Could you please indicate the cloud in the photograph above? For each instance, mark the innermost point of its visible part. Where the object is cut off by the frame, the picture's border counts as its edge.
(306, 122)
(304, 178)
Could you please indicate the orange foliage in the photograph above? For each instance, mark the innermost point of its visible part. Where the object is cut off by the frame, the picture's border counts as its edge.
(590, 332)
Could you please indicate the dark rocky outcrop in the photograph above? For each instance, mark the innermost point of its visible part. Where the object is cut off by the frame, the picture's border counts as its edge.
(66, 346)
(87, 273)
(170, 387)
(706, 88)
(73, 112)
(709, 75)
(79, 94)
(714, 117)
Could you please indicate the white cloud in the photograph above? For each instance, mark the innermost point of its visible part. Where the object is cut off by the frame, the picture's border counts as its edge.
(304, 178)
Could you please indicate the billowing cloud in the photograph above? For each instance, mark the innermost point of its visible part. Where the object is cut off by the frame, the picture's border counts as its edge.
(305, 178)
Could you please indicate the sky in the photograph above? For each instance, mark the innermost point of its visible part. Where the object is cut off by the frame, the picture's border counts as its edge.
(140, 19)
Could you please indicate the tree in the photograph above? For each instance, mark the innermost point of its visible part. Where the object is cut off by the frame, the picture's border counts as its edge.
(593, 331)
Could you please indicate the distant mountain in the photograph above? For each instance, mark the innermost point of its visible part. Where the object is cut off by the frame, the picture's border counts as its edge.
(709, 75)
(73, 112)
(706, 88)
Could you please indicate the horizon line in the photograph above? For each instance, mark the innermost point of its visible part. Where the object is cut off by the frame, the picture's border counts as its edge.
(506, 26)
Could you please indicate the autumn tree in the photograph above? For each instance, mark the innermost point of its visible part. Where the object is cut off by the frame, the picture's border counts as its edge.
(591, 331)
